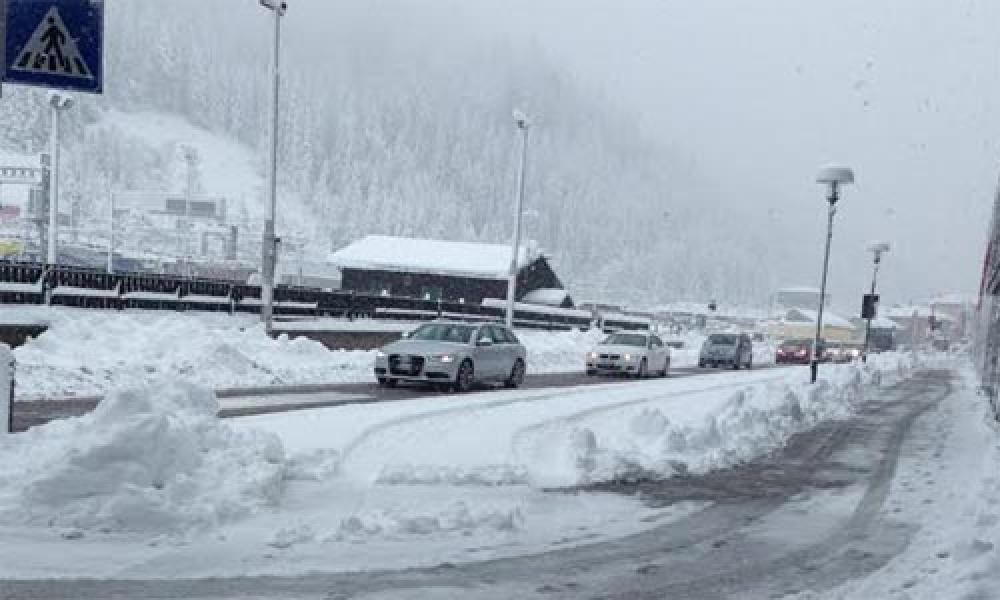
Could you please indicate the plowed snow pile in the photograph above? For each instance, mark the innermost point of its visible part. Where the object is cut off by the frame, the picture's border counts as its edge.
(148, 460)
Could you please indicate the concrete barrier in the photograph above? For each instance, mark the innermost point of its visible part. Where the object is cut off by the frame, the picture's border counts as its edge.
(344, 340)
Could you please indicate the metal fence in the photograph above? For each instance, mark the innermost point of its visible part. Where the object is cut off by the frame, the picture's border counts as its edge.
(33, 283)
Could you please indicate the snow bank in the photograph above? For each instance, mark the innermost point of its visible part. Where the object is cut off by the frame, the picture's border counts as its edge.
(151, 459)
(87, 352)
(558, 351)
(652, 440)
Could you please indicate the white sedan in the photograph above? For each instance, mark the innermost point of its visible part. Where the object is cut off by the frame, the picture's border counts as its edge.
(636, 354)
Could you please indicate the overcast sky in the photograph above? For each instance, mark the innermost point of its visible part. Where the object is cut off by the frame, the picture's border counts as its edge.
(763, 92)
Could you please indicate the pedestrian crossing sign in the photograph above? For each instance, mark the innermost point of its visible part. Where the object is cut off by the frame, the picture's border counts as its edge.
(55, 44)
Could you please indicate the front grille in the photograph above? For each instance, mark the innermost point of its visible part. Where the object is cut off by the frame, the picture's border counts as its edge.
(406, 364)
(611, 356)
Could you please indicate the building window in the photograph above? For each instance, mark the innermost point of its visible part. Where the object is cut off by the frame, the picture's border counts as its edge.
(431, 292)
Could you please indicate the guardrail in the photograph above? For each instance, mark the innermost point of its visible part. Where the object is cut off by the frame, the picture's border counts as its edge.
(28, 283)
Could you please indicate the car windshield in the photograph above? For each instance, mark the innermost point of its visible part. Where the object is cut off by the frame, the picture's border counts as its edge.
(626, 339)
(443, 332)
(797, 343)
(722, 340)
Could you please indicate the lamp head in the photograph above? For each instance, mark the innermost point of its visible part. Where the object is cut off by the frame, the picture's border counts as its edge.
(835, 175)
(59, 100)
(879, 247)
(521, 120)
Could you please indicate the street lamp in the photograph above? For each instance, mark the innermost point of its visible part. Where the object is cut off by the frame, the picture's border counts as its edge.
(523, 124)
(833, 177)
(59, 102)
(269, 243)
(877, 249)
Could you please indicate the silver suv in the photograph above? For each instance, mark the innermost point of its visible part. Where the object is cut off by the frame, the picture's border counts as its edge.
(727, 350)
(454, 355)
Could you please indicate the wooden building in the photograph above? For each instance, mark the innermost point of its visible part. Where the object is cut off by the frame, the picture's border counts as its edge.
(444, 270)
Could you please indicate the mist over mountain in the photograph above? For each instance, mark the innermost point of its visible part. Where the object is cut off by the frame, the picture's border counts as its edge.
(396, 120)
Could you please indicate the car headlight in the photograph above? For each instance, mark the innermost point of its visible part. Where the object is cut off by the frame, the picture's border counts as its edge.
(592, 355)
(443, 358)
(380, 354)
(628, 358)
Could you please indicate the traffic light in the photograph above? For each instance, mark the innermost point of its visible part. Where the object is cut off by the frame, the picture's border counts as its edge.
(869, 306)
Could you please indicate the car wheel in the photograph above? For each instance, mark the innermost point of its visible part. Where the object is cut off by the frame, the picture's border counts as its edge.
(641, 374)
(591, 373)
(463, 381)
(750, 365)
(666, 368)
(516, 375)
(702, 364)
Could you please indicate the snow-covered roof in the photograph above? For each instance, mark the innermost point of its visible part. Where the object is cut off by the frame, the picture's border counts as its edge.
(953, 299)
(413, 255)
(546, 297)
(906, 312)
(829, 319)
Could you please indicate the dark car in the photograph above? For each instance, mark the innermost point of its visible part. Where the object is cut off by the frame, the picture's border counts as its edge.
(727, 350)
(797, 352)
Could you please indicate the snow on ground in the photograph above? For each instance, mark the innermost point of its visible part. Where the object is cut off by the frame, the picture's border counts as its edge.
(89, 352)
(152, 485)
(947, 488)
(150, 460)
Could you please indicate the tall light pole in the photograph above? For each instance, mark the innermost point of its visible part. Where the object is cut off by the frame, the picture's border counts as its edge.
(877, 249)
(834, 178)
(111, 234)
(269, 242)
(524, 125)
(59, 102)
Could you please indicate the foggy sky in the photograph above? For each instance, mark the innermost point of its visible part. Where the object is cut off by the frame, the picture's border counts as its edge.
(761, 93)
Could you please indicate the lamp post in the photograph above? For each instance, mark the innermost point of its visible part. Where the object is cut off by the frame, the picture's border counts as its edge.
(877, 249)
(269, 242)
(111, 235)
(523, 124)
(833, 178)
(59, 102)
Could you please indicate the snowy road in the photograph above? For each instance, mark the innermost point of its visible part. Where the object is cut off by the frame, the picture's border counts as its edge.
(807, 517)
(236, 403)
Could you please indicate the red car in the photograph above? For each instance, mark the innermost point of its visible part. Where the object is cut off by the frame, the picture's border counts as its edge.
(795, 352)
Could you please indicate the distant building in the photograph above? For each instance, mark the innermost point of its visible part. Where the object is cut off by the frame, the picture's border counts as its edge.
(444, 270)
(800, 323)
(798, 297)
(956, 309)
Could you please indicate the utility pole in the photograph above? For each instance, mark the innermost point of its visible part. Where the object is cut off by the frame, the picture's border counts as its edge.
(269, 242)
(523, 125)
